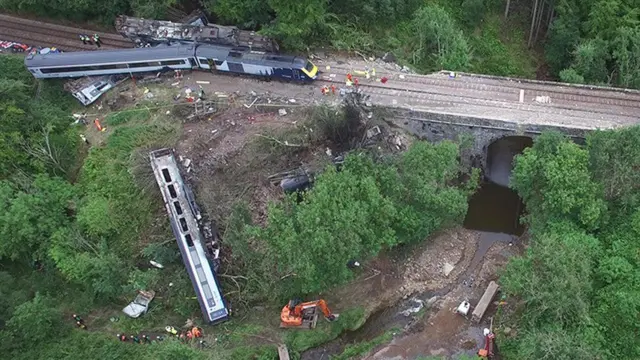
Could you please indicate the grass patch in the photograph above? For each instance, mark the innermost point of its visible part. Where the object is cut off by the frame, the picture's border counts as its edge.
(266, 352)
(128, 116)
(362, 348)
(350, 320)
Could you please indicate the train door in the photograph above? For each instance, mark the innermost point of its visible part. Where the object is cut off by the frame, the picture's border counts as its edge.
(296, 74)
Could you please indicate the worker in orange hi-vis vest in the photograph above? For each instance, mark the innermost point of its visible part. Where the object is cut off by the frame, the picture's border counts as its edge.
(322, 90)
(333, 89)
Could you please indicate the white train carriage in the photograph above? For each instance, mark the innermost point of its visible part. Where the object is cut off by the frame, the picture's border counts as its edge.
(183, 214)
(106, 62)
(171, 57)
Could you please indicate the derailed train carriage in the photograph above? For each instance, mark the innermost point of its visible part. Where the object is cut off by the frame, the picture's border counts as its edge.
(170, 57)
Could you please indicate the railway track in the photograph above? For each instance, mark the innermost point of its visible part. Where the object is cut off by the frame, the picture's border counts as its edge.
(490, 107)
(605, 103)
(41, 34)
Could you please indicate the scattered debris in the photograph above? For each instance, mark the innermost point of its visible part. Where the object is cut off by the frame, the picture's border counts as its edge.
(140, 304)
(543, 99)
(485, 301)
(283, 352)
(463, 308)
(419, 304)
(446, 268)
(253, 102)
(282, 112)
(88, 89)
(374, 131)
(388, 57)
(203, 82)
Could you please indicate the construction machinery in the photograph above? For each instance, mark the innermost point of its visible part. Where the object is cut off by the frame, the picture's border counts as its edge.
(488, 352)
(304, 315)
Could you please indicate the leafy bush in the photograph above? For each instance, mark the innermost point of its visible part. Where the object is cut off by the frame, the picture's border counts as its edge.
(349, 214)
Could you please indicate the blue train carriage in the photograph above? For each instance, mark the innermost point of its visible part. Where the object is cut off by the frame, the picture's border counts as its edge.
(107, 62)
(255, 63)
(188, 236)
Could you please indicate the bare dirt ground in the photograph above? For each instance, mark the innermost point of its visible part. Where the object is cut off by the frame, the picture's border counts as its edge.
(438, 275)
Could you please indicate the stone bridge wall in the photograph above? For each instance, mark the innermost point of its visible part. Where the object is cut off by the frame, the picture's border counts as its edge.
(434, 127)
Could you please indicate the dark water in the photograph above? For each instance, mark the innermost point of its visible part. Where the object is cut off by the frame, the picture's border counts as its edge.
(495, 207)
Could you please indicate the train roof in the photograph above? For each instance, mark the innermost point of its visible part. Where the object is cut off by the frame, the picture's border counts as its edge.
(216, 52)
(109, 56)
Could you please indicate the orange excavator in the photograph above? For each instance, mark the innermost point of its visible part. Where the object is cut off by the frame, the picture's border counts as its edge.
(304, 315)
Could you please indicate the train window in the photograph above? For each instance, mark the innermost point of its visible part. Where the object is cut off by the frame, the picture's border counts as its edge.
(144, 64)
(172, 191)
(309, 66)
(172, 62)
(202, 60)
(218, 62)
(176, 205)
(235, 67)
(235, 54)
(189, 240)
(183, 224)
(166, 175)
(193, 62)
(102, 67)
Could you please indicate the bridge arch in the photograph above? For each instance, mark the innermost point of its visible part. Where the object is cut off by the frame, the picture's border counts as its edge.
(500, 154)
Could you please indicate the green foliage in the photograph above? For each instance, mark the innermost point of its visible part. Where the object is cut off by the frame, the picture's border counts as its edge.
(344, 217)
(349, 214)
(604, 36)
(131, 116)
(570, 75)
(96, 345)
(32, 215)
(545, 176)
(34, 133)
(498, 50)
(614, 161)
(35, 321)
(268, 352)
(437, 42)
(565, 256)
(353, 351)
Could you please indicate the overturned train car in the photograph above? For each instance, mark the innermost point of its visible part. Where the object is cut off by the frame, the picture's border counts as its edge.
(143, 31)
(183, 215)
